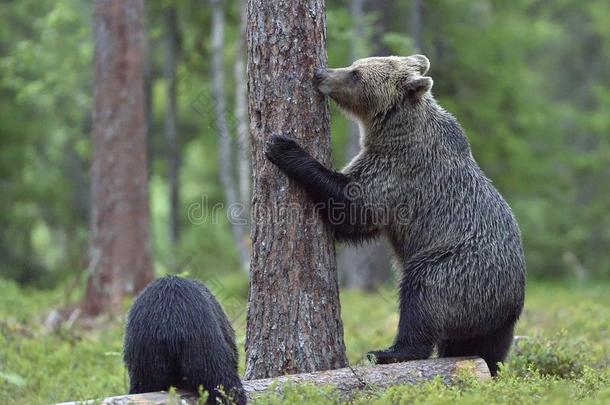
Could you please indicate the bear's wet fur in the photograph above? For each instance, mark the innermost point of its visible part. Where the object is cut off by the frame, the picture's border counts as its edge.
(177, 335)
(416, 183)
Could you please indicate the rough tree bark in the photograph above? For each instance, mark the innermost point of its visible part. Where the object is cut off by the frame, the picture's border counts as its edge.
(294, 322)
(235, 208)
(365, 266)
(120, 262)
(172, 39)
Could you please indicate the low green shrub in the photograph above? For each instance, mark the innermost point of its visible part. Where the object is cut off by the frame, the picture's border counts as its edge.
(565, 360)
(556, 356)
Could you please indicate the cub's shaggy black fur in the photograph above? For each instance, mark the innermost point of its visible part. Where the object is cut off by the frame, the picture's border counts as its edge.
(416, 182)
(178, 335)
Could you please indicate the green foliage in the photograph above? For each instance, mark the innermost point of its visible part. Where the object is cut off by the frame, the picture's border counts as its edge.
(45, 67)
(301, 394)
(566, 359)
(553, 357)
(51, 367)
(527, 80)
(507, 388)
(523, 80)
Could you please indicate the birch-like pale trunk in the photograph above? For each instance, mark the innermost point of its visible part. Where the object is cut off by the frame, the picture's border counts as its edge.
(416, 23)
(235, 208)
(241, 114)
(172, 40)
(366, 266)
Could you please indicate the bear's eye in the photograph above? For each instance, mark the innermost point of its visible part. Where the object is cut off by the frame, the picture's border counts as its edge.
(355, 75)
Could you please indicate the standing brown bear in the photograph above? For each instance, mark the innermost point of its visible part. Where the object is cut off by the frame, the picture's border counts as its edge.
(416, 182)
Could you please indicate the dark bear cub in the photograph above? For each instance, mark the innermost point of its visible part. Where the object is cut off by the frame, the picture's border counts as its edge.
(177, 335)
(416, 183)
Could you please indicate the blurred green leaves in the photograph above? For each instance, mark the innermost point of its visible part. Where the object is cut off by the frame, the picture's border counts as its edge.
(528, 80)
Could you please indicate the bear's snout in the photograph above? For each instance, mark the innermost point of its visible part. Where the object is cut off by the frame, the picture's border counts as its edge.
(320, 74)
(320, 80)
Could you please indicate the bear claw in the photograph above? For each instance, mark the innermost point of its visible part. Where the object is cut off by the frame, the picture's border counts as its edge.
(280, 147)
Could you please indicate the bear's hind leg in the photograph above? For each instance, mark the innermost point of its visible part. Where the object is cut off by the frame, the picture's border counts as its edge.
(208, 365)
(493, 348)
(415, 340)
(153, 373)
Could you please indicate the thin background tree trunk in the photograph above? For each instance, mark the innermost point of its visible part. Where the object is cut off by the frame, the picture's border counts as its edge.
(356, 52)
(386, 10)
(365, 266)
(235, 208)
(171, 126)
(120, 261)
(294, 322)
(416, 17)
(241, 112)
(149, 79)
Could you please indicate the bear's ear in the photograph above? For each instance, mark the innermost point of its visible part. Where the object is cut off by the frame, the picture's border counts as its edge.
(418, 86)
(422, 63)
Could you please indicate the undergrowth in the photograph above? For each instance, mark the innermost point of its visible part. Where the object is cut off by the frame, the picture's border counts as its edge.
(565, 359)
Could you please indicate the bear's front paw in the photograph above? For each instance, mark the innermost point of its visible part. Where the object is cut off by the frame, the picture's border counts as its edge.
(280, 149)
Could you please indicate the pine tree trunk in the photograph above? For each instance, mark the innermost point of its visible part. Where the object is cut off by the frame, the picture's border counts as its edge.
(171, 126)
(120, 262)
(294, 322)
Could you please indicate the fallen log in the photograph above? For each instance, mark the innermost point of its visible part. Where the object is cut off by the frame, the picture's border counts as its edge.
(348, 381)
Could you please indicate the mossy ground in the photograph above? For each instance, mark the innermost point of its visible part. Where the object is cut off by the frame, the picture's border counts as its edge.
(565, 361)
